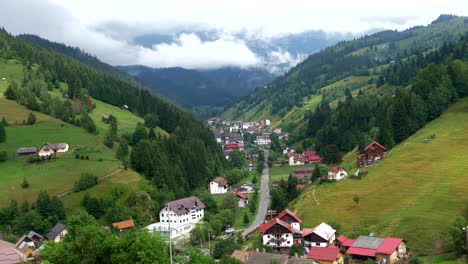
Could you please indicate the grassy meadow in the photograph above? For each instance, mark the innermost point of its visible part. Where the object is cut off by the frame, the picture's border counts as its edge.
(415, 193)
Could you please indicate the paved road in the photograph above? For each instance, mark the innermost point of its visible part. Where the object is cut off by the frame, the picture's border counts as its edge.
(264, 199)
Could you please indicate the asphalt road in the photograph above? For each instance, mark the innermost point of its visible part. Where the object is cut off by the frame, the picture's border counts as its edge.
(264, 199)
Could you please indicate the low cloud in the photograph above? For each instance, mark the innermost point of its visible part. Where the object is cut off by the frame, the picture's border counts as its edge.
(396, 20)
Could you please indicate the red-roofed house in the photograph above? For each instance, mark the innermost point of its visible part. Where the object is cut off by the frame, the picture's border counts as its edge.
(124, 224)
(218, 186)
(336, 173)
(373, 153)
(311, 157)
(277, 234)
(243, 199)
(322, 235)
(328, 255)
(295, 159)
(343, 243)
(291, 218)
(384, 250)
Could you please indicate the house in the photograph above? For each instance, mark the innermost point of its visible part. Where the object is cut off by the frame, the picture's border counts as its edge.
(243, 199)
(311, 157)
(283, 136)
(267, 122)
(326, 255)
(57, 233)
(185, 210)
(29, 243)
(343, 243)
(383, 250)
(252, 129)
(277, 130)
(322, 235)
(26, 152)
(52, 148)
(124, 224)
(287, 150)
(218, 186)
(277, 234)
(295, 222)
(303, 175)
(336, 173)
(233, 138)
(105, 118)
(374, 152)
(263, 140)
(9, 254)
(295, 159)
(173, 230)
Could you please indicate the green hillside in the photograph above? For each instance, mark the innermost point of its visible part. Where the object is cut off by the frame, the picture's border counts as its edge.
(352, 65)
(415, 193)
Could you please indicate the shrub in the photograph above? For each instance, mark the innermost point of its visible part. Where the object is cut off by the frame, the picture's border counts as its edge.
(77, 156)
(31, 119)
(82, 157)
(25, 184)
(86, 181)
(100, 159)
(87, 157)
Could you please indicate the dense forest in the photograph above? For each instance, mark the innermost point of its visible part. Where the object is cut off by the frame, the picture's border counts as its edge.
(431, 82)
(191, 156)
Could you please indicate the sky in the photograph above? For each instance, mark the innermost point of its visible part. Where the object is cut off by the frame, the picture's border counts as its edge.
(106, 28)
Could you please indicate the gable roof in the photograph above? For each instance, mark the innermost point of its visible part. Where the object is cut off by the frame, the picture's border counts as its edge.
(241, 255)
(389, 245)
(369, 246)
(266, 258)
(26, 150)
(184, 205)
(241, 195)
(287, 212)
(59, 227)
(347, 242)
(220, 180)
(323, 230)
(374, 143)
(265, 227)
(324, 253)
(335, 169)
(10, 255)
(124, 224)
(57, 146)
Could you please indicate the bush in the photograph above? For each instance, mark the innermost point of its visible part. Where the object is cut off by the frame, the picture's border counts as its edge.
(25, 184)
(3, 156)
(86, 181)
(87, 157)
(224, 248)
(82, 157)
(100, 159)
(31, 119)
(77, 156)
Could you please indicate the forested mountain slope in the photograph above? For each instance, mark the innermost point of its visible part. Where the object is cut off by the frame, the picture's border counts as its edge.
(294, 93)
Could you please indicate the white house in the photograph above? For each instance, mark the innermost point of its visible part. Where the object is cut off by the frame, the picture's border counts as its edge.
(295, 159)
(337, 173)
(322, 235)
(247, 187)
(243, 200)
(171, 229)
(267, 122)
(57, 233)
(52, 148)
(185, 210)
(218, 186)
(263, 140)
(277, 234)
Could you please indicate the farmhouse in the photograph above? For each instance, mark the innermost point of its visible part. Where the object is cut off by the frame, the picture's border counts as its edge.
(124, 224)
(326, 255)
(52, 148)
(243, 199)
(218, 186)
(322, 235)
(185, 210)
(374, 152)
(29, 243)
(57, 233)
(295, 159)
(336, 173)
(383, 250)
(311, 157)
(26, 152)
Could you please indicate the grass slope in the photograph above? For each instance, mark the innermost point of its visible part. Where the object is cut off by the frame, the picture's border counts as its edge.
(415, 193)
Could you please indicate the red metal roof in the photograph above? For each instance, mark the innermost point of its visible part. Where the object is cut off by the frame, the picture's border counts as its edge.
(324, 254)
(307, 231)
(374, 143)
(335, 169)
(389, 245)
(287, 212)
(361, 251)
(241, 195)
(341, 238)
(265, 227)
(348, 242)
(124, 224)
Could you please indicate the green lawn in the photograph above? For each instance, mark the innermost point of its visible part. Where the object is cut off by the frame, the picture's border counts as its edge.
(415, 193)
(282, 172)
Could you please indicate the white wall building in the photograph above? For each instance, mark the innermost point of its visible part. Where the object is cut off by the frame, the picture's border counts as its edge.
(171, 229)
(262, 140)
(218, 186)
(322, 235)
(277, 234)
(185, 210)
(337, 173)
(52, 148)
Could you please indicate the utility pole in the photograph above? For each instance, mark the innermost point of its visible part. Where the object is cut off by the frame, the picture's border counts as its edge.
(170, 240)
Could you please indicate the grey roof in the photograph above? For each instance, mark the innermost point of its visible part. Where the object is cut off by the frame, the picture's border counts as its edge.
(59, 227)
(266, 258)
(184, 205)
(26, 150)
(368, 242)
(57, 145)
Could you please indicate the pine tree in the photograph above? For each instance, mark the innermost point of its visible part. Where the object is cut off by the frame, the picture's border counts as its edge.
(151, 134)
(316, 173)
(3, 135)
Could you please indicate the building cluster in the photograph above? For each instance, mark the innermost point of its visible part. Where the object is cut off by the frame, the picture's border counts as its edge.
(308, 157)
(219, 185)
(320, 244)
(48, 149)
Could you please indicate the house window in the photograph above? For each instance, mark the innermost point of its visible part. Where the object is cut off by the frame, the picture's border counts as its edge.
(287, 235)
(289, 242)
(268, 236)
(317, 244)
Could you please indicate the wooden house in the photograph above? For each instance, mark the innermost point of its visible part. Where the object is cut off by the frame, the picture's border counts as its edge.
(322, 235)
(303, 175)
(26, 152)
(277, 234)
(373, 153)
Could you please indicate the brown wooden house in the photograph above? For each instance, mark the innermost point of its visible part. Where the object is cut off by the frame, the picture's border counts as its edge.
(303, 175)
(277, 234)
(374, 152)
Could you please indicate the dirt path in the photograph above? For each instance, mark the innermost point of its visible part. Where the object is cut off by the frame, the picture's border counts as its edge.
(100, 179)
(315, 197)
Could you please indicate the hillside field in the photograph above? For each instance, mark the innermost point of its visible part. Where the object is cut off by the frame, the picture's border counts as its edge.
(415, 193)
